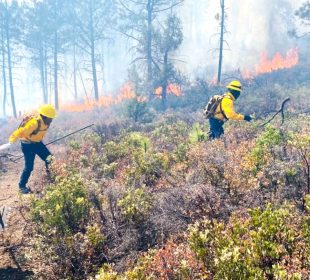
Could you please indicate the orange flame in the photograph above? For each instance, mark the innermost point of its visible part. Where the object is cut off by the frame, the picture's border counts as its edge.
(277, 62)
(126, 93)
(171, 89)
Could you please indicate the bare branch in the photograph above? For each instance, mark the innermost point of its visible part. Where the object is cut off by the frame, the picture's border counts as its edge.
(156, 65)
(129, 36)
(136, 59)
(170, 7)
(128, 9)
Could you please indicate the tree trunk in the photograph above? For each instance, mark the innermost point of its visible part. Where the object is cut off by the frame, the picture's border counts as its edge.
(74, 72)
(3, 73)
(42, 74)
(56, 55)
(165, 81)
(219, 73)
(149, 49)
(83, 84)
(46, 75)
(10, 63)
(92, 47)
(56, 69)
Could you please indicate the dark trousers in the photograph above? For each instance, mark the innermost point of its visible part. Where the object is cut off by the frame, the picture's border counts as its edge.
(216, 128)
(30, 150)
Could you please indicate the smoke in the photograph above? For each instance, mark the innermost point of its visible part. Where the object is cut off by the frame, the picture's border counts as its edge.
(252, 27)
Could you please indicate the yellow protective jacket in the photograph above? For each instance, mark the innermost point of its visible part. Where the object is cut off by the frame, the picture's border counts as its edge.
(227, 106)
(26, 132)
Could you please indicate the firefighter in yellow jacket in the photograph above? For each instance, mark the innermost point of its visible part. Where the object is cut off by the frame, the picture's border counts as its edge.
(31, 135)
(225, 110)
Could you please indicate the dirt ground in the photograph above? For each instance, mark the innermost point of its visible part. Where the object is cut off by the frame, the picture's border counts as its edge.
(13, 239)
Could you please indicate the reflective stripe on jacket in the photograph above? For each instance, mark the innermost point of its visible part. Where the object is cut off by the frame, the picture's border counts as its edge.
(227, 106)
(25, 133)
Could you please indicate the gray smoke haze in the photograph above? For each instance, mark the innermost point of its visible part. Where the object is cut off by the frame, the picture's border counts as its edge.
(253, 27)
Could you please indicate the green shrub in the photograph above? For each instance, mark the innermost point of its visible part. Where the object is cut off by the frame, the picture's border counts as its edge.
(307, 202)
(112, 151)
(136, 140)
(136, 204)
(180, 152)
(94, 235)
(261, 245)
(170, 133)
(301, 144)
(65, 207)
(138, 110)
(173, 261)
(146, 168)
(264, 146)
(196, 135)
(74, 145)
(107, 273)
(67, 239)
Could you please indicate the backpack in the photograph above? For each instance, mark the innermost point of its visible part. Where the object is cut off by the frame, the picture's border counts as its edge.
(27, 117)
(211, 106)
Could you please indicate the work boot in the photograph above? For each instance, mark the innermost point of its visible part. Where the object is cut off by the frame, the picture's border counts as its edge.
(24, 190)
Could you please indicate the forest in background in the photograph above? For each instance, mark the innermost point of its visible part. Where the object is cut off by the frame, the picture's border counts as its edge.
(88, 51)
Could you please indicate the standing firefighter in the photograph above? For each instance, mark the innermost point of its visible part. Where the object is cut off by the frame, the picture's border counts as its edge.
(221, 108)
(31, 132)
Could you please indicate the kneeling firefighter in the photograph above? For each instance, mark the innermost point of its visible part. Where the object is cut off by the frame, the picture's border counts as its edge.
(224, 110)
(31, 133)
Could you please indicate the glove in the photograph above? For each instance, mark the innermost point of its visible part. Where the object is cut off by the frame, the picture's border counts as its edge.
(5, 146)
(247, 118)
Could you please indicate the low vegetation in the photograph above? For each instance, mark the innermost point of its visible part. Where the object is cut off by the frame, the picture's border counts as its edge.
(157, 200)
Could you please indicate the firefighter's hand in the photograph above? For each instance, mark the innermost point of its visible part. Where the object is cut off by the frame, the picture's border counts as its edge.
(247, 118)
(5, 146)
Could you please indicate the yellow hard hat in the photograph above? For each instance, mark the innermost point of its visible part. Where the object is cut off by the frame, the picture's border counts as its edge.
(47, 110)
(235, 85)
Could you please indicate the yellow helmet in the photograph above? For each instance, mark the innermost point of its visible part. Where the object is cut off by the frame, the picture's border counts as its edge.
(235, 85)
(47, 110)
